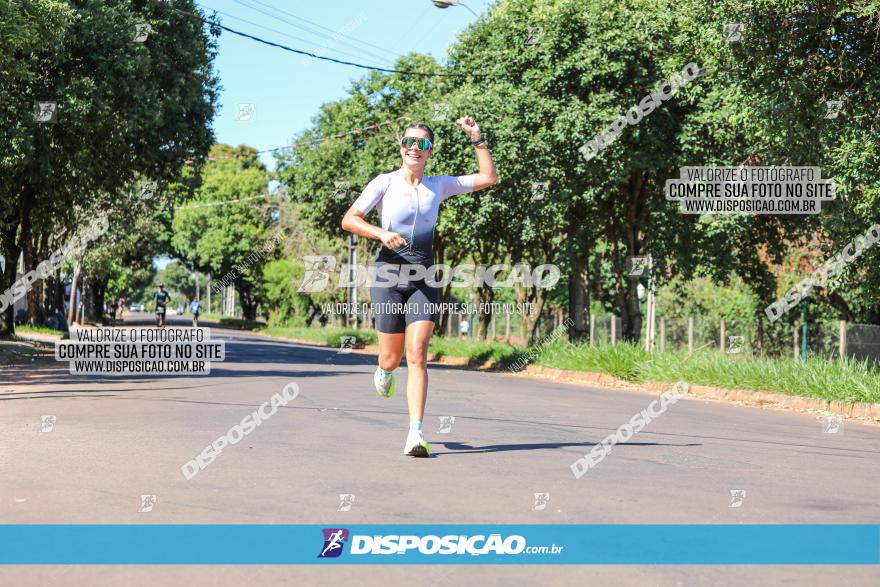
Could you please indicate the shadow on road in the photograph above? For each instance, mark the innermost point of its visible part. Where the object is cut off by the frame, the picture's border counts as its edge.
(462, 448)
(247, 356)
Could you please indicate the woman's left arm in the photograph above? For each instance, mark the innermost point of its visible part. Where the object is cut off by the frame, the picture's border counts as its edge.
(486, 176)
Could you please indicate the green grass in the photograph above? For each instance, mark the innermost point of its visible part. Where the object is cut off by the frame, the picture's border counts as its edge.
(24, 329)
(848, 382)
(329, 336)
(621, 360)
(474, 350)
(239, 323)
(852, 381)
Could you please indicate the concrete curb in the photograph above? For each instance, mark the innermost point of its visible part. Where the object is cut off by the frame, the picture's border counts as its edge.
(861, 411)
(865, 412)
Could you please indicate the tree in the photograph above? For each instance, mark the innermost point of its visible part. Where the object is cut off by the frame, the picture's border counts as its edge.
(220, 238)
(124, 109)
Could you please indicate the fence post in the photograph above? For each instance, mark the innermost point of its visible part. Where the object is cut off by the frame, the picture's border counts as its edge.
(690, 335)
(592, 329)
(797, 347)
(723, 344)
(662, 335)
(613, 329)
(842, 346)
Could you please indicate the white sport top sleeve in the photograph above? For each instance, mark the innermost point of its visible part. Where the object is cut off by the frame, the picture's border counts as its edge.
(410, 211)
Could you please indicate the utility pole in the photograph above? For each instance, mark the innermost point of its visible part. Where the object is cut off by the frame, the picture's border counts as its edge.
(352, 274)
(804, 331)
(649, 329)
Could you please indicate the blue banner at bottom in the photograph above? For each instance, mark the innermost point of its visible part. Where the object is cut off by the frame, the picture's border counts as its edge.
(441, 544)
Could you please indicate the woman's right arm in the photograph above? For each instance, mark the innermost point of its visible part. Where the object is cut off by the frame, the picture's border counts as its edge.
(354, 222)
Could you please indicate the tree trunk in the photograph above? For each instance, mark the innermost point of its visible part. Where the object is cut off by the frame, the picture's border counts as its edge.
(540, 300)
(579, 300)
(248, 303)
(71, 311)
(526, 323)
(631, 318)
(10, 253)
(58, 293)
(637, 212)
(93, 308)
(485, 295)
(33, 295)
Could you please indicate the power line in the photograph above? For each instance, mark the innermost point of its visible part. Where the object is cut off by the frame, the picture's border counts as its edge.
(223, 203)
(323, 27)
(321, 57)
(337, 35)
(339, 61)
(282, 197)
(338, 135)
(280, 32)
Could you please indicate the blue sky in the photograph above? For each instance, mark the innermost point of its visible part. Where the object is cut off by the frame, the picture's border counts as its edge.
(287, 89)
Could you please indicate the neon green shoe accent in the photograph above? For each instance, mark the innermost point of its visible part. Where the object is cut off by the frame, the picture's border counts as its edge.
(376, 383)
(391, 389)
(414, 451)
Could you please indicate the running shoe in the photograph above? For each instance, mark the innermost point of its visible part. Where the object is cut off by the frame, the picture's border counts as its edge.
(384, 381)
(416, 445)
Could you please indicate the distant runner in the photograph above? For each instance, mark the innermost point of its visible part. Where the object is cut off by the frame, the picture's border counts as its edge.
(161, 298)
(195, 306)
(408, 203)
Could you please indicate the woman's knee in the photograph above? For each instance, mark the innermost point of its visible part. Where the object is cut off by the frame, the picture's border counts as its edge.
(389, 360)
(417, 356)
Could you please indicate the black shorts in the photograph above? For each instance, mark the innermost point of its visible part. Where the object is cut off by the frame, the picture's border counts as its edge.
(396, 305)
(160, 311)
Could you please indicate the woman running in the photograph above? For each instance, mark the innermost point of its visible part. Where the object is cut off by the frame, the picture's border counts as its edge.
(408, 202)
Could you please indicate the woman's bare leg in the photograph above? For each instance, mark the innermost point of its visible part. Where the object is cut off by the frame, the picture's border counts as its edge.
(390, 350)
(418, 335)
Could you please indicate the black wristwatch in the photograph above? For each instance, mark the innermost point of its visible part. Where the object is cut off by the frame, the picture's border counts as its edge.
(479, 141)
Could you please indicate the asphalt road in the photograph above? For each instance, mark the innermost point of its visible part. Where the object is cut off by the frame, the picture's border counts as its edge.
(115, 439)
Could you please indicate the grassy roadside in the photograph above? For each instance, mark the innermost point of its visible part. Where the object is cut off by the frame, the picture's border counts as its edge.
(849, 382)
(329, 336)
(24, 329)
(228, 322)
